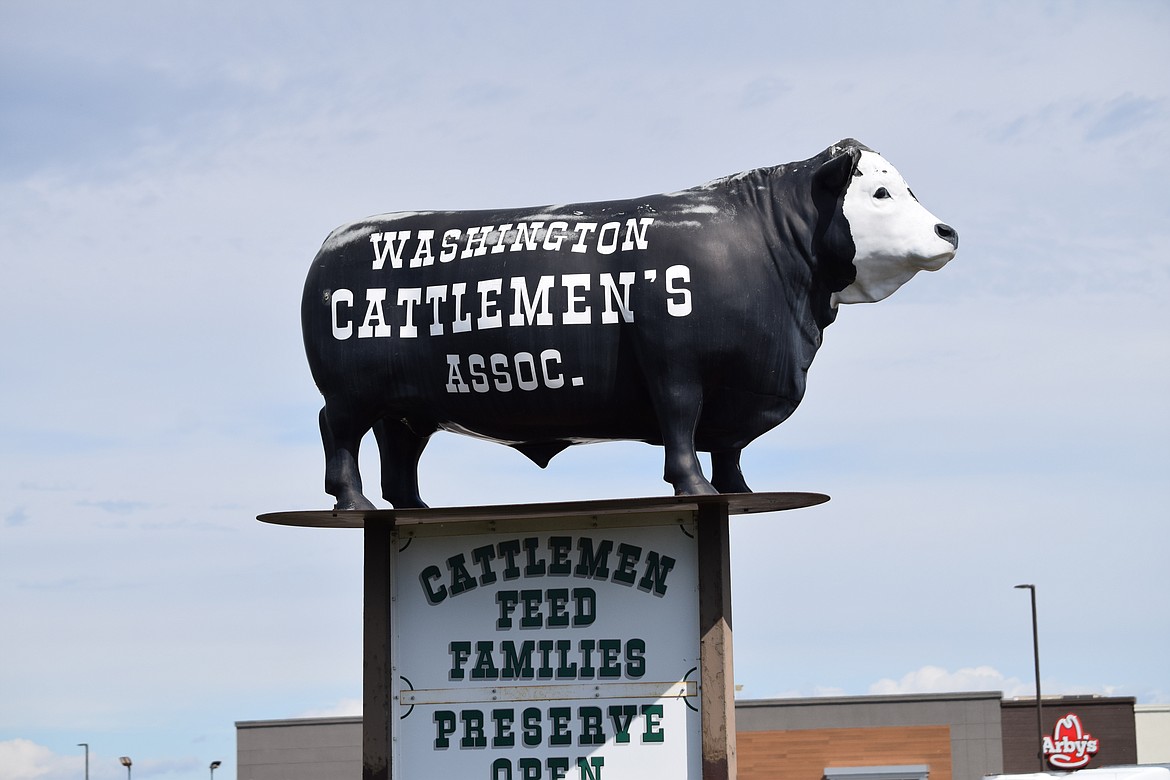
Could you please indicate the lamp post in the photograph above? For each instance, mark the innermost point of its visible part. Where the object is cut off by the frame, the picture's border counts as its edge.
(126, 762)
(86, 746)
(1036, 659)
(214, 766)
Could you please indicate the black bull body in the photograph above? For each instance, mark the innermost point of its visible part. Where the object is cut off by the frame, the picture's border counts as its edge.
(686, 320)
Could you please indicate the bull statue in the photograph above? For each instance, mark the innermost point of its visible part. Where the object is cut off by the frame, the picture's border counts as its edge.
(686, 320)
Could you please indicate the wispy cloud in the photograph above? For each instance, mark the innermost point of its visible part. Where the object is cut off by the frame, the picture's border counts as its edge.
(115, 507)
(23, 759)
(1123, 115)
(341, 709)
(935, 679)
(15, 517)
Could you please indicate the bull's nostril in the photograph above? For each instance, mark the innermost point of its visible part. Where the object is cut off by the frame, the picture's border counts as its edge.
(947, 233)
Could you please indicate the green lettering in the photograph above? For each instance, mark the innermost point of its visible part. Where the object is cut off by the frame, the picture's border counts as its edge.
(434, 596)
(503, 720)
(586, 611)
(610, 648)
(534, 568)
(635, 658)
(507, 599)
(590, 726)
(654, 580)
(628, 555)
(485, 666)
(560, 547)
(622, 716)
(591, 563)
(529, 768)
(558, 616)
(444, 728)
(558, 768)
(517, 665)
(532, 601)
(565, 670)
(508, 551)
(461, 579)
(545, 646)
(473, 736)
(653, 732)
(460, 652)
(483, 556)
(586, 767)
(586, 646)
(559, 724)
(532, 732)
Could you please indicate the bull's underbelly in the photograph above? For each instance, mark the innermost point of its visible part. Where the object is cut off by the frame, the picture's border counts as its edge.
(548, 391)
(730, 420)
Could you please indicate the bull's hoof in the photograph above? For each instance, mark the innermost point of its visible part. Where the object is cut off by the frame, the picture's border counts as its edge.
(732, 485)
(408, 503)
(356, 502)
(700, 487)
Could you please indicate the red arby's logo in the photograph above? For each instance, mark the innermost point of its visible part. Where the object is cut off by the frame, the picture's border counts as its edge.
(1070, 746)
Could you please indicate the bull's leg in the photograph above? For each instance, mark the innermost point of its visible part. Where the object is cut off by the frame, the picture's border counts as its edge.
(725, 473)
(341, 437)
(400, 449)
(678, 411)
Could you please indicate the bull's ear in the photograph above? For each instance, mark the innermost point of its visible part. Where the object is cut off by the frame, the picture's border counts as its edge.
(834, 176)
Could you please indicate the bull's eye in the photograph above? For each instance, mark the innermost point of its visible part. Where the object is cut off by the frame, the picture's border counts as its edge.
(881, 193)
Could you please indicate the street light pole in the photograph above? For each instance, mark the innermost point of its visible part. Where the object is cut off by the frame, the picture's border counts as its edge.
(214, 766)
(1036, 659)
(86, 746)
(126, 762)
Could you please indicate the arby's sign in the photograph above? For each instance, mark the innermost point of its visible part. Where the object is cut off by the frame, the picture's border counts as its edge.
(1070, 746)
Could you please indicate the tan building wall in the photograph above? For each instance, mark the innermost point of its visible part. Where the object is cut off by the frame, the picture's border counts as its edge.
(962, 731)
(308, 749)
(1153, 733)
(805, 755)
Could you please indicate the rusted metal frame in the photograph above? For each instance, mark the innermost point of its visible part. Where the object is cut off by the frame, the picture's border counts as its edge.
(717, 678)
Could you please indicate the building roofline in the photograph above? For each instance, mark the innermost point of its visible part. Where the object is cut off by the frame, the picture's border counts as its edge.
(1074, 698)
(260, 724)
(895, 698)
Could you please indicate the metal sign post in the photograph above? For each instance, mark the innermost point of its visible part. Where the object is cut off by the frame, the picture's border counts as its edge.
(377, 665)
(718, 677)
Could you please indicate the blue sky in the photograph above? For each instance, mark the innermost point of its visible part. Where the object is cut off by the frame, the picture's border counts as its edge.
(168, 170)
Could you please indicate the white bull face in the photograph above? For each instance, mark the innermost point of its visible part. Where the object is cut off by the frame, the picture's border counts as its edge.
(894, 235)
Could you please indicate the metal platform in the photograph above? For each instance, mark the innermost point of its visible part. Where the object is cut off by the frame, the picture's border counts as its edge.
(731, 503)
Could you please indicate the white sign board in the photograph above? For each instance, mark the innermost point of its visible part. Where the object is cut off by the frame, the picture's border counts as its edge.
(526, 652)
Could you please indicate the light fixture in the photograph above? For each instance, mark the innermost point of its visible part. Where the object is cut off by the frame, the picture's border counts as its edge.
(1036, 660)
